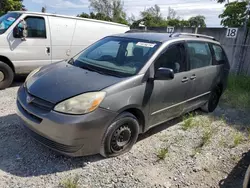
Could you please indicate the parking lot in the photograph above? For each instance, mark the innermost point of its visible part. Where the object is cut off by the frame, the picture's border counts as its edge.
(201, 151)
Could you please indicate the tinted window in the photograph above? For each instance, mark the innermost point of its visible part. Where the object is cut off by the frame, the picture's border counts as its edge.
(36, 27)
(7, 20)
(219, 54)
(199, 54)
(117, 56)
(173, 58)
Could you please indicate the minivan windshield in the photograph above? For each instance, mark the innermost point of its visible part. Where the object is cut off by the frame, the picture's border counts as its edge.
(7, 20)
(118, 56)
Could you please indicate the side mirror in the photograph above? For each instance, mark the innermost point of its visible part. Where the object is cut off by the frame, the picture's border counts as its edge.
(20, 31)
(164, 74)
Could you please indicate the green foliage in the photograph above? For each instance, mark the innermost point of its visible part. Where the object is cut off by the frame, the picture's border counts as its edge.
(234, 14)
(238, 91)
(197, 21)
(152, 17)
(108, 10)
(70, 183)
(207, 134)
(10, 5)
(162, 153)
(188, 122)
(238, 139)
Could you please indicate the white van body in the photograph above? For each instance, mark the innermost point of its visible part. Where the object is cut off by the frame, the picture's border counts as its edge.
(51, 38)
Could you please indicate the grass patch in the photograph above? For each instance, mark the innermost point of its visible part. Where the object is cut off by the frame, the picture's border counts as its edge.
(188, 122)
(70, 182)
(238, 139)
(162, 153)
(235, 158)
(238, 91)
(223, 143)
(207, 134)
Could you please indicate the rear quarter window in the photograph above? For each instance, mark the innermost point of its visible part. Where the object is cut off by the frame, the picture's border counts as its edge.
(219, 54)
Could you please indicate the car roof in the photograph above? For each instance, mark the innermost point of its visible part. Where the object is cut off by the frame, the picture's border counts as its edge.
(164, 37)
(156, 37)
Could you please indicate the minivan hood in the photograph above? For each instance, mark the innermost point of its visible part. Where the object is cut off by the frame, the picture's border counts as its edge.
(60, 81)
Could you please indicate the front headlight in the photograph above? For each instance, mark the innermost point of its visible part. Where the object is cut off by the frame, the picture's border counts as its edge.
(32, 73)
(81, 104)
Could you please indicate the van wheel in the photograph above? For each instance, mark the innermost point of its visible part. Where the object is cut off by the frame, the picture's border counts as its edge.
(6, 75)
(213, 100)
(120, 135)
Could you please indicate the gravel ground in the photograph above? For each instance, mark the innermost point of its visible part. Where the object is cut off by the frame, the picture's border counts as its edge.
(208, 154)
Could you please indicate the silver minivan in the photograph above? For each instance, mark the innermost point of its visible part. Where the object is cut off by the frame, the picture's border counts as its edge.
(101, 100)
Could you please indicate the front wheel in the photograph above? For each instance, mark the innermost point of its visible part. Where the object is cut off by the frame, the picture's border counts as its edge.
(120, 135)
(213, 100)
(6, 75)
(246, 183)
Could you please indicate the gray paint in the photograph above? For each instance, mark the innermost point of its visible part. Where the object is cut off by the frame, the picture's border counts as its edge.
(157, 100)
(232, 47)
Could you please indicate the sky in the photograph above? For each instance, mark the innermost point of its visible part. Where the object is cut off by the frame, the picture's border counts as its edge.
(184, 8)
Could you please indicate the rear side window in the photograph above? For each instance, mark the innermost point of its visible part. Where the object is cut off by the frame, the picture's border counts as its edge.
(219, 54)
(36, 27)
(199, 54)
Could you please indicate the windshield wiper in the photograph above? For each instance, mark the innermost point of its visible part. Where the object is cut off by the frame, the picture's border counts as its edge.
(85, 66)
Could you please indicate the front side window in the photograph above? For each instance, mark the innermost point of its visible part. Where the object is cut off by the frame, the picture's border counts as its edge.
(173, 58)
(35, 27)
(199, 54)
(7, 20)
(117, 56)
(219, 54)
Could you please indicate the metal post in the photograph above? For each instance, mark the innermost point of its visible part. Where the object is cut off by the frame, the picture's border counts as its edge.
(241, 60)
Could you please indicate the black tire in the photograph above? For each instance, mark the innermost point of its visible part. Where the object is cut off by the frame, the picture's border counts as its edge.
(120, 136)
(213, 100)
(246, 183)
(8, 75)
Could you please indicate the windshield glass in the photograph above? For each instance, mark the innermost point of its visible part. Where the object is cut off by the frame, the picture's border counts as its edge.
(7, 20)
(118, 56)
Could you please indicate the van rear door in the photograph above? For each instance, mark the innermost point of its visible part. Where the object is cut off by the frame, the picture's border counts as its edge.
(35, 51)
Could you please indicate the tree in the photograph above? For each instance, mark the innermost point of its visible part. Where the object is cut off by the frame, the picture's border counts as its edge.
(83, 15)
(154, 12)
(151, 17)
(172, 14)
(234, 14)
(197, 21)
(222, 1)
(10, 5)
(98, 16)
(113, 9)
(44, 9)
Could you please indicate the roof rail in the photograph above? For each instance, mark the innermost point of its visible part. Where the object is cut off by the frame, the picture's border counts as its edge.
(192, 35)
(141, 31)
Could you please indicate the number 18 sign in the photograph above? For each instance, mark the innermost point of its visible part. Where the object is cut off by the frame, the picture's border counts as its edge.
(232, 32)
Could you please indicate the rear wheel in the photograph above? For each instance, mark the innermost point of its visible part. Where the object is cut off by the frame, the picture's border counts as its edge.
(6, 75)
(213, 100)
(120, 135)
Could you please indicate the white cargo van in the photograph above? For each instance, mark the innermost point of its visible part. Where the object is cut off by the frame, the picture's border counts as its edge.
(29, 40)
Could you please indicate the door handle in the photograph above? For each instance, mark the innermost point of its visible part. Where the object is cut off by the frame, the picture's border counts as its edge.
(193, 77)
(184, 80)
(48, 50)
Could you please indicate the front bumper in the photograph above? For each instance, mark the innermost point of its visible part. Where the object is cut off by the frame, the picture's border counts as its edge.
(73, 135)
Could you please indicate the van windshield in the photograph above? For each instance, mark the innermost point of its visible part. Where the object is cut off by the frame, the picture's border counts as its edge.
(117, 56)
(7, 20)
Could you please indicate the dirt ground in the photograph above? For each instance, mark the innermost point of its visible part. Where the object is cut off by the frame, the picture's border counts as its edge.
(203, 150)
